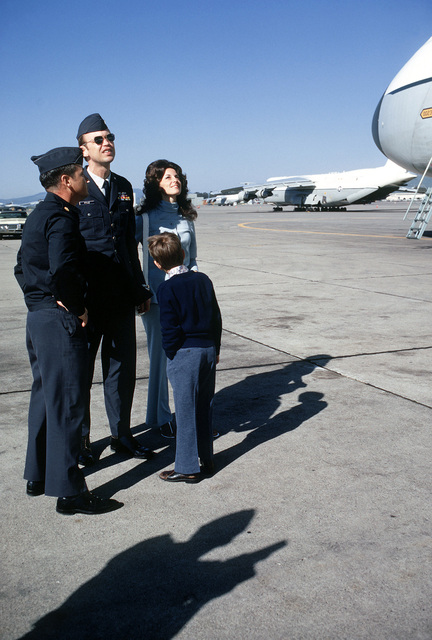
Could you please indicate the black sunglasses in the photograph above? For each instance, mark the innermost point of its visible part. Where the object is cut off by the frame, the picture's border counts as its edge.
(99, 139)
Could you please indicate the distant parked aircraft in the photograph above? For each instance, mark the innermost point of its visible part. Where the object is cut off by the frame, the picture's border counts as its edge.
(325, 190)
(402, 123)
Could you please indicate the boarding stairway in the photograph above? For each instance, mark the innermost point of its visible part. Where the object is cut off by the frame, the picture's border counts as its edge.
(422, 216)
(424, 212)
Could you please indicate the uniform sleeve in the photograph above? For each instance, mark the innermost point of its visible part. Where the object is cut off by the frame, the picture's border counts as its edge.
(141, 293)
(66, 255)
(18, 272)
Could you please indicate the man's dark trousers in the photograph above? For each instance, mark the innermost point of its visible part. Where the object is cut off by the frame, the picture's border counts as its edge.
(57, 347)
(115, 333)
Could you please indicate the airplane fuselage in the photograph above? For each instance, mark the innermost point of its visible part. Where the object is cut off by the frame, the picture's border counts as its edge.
(337, 189)
(334, 197)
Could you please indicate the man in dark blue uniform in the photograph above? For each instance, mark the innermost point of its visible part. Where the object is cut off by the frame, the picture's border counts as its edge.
(116, 285)
(51, 271)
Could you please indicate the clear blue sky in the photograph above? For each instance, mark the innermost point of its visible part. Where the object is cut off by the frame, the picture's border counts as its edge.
(231, 90)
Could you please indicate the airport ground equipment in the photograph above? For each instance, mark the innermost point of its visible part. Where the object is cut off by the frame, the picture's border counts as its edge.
(422, 216)
(424, 212)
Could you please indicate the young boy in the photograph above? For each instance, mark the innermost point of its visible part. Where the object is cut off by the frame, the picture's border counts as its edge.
(191, 327)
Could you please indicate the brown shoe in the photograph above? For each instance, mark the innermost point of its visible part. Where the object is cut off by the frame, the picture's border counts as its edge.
(170, 475)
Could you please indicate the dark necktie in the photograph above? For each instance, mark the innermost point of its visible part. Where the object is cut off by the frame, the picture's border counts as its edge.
(106, 186)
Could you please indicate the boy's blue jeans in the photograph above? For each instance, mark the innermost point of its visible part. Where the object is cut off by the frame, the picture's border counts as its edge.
(192, 374)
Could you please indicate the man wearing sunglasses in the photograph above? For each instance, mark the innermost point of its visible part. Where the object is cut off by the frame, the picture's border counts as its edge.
(116, 285)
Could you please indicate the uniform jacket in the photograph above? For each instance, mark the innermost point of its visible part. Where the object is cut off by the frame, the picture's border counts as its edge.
(115, 279)
(51, 263)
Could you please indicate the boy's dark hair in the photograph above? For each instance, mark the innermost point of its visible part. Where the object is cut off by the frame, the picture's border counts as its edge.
(166, 249)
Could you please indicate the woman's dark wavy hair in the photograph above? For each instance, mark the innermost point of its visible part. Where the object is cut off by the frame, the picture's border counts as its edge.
(152, 192)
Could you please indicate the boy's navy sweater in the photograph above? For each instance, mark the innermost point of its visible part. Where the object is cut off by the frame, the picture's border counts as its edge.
(189, 313)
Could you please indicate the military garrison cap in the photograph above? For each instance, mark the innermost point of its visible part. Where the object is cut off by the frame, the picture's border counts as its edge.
(58, 157)
(93, 122)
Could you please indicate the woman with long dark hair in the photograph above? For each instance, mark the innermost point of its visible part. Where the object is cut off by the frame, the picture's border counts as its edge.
(166, 208)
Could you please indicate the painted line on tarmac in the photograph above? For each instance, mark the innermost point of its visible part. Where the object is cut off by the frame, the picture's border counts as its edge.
(247, 225)
(315, 361)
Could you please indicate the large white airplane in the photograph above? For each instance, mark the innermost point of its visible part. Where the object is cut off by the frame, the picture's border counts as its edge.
(325, 190)
(228, 199)
(402, 123)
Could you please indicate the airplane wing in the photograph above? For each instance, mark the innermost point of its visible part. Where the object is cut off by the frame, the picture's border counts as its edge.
(300, 182)
(380, 193)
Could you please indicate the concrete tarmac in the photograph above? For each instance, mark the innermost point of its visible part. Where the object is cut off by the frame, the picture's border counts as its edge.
(317, 523)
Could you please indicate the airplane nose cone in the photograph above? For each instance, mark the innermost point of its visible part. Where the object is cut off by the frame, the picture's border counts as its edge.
(375, 125)
(402, 123)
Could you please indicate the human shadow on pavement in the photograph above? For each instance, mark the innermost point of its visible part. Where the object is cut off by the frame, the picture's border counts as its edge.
(154, 588)
(146, 436)
(251, 404)
(139, 470)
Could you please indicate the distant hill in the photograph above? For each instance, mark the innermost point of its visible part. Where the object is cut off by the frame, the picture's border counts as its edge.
(40, 196)
(24, 199)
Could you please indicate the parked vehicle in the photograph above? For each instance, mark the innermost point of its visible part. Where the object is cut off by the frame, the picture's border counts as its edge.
(12, 219)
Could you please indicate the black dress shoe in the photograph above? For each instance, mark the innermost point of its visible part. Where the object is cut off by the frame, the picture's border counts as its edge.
(86, 457)
(168, 430)
(130, 446)
(207, 469)
(35, 488)
(86, 503)
(173, 476)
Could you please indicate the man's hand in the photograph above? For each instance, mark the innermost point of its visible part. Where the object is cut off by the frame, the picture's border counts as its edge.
(84, 318)
(143, 307)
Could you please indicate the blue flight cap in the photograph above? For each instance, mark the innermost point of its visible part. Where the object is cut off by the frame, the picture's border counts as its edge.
(93, 122)
(58, 157)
